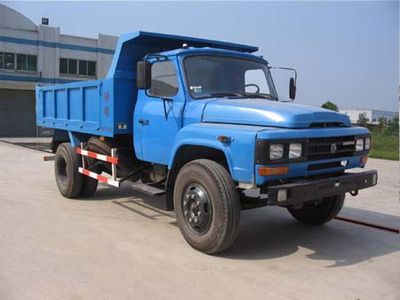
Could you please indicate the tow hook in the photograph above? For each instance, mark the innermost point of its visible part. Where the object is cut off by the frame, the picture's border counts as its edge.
(354, 193)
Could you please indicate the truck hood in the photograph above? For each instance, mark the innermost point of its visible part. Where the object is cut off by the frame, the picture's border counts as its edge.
(263, 112)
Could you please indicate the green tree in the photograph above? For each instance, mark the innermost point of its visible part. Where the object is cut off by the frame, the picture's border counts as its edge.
(330, 105)
(392, 127)
(362, 119)
(381, 125)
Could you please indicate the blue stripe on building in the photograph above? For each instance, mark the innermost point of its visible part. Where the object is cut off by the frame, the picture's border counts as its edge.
(9, 39)
(34, 79)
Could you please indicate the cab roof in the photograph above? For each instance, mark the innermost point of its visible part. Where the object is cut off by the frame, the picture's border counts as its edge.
(207, 50)
(134, 46)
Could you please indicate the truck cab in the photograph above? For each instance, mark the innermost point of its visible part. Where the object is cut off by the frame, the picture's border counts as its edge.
(201, 123)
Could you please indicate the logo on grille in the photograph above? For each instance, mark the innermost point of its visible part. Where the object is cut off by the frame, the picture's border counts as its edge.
(333, 148)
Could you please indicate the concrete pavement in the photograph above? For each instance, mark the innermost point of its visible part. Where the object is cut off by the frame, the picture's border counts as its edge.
(119, 245)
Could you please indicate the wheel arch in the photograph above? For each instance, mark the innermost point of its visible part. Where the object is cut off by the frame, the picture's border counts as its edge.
(189, 152)
(59, 137)
(64, 136)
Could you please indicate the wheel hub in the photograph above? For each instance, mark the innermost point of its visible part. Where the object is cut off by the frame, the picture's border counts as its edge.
(197, 208)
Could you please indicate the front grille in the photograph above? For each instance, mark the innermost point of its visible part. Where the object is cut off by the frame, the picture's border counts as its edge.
(333, 147)
(329, 165)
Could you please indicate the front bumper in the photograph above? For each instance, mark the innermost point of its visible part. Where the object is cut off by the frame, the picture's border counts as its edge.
(307, 190)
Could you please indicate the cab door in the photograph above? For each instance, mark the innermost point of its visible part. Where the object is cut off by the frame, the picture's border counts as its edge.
(158, 113)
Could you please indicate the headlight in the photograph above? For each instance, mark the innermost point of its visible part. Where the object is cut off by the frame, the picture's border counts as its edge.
(367, 143)
(295, 150)
(276, 151)
(359, 144)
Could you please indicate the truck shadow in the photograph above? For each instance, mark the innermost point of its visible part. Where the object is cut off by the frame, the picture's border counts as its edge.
(106, 192)
(149, 207)
(367, 216)
(144, 208)
(269, 233)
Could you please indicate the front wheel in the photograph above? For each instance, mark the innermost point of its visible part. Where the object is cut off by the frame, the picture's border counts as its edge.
(319, 211)
(207, 206)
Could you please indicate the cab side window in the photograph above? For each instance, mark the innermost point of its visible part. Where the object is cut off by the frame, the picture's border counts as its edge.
(164, 82)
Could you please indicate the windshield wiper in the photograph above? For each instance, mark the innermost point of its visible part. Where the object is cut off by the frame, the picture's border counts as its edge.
(221, 95)
(258, 95)
(239, 95)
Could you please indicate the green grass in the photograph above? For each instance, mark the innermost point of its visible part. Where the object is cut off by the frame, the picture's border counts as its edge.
(384, 146)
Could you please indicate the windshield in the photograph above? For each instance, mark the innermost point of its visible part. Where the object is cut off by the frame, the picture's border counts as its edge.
(224, 76)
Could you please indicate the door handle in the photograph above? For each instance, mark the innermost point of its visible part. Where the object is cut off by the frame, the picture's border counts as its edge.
(144, 122)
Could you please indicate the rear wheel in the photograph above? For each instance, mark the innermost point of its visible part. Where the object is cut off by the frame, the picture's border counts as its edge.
(69, 180)
(318, 212)
(207, 206)
(89, 184)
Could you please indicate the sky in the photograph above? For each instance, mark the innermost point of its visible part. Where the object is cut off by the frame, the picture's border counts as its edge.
(344, 52)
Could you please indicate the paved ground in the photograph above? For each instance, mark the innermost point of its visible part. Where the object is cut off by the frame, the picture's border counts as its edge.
(120, 246)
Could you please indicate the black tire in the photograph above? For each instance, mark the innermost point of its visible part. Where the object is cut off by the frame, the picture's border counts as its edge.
(318, 212)
(89, 185)
(221, 205)
(69, 180)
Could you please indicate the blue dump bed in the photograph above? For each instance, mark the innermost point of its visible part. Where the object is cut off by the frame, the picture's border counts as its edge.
(105, 107)
(73, 106)
(88, 107)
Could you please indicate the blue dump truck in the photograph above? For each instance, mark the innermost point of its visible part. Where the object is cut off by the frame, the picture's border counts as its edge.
(198, 123)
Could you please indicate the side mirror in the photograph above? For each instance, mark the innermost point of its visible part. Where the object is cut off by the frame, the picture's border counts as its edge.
(292, 88)
(143, 75)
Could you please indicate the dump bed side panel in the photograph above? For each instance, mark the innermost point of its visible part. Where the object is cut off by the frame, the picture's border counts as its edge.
(86, 107)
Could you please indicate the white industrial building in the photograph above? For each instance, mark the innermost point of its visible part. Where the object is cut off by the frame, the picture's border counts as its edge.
(33, 54)
(373, 115)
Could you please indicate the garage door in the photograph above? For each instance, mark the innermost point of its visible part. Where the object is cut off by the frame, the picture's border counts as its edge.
(17, 113)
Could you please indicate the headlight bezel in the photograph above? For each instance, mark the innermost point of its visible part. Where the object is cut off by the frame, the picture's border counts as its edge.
(279, 148)
(359, 147)
(293, 145)
(368, 138)
(262, 155)
(367, 144)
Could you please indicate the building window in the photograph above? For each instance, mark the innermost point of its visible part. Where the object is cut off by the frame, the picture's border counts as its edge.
(70, 66)
(20, 62)
(26, 62)
(32, 63)
(9, 61)
(63, 66)
(83, 67)
(91, 68)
